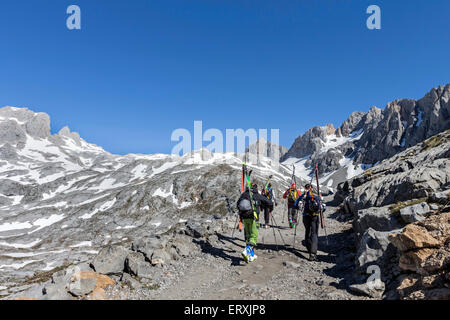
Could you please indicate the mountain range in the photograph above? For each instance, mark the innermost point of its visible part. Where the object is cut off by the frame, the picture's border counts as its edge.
(63, 199)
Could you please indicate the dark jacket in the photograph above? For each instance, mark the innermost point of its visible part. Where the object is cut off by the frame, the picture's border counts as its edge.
(258, 200)
(307, 197)
(270, 196)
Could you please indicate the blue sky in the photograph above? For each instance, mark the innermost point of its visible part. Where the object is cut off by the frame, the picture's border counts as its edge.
(140, 69)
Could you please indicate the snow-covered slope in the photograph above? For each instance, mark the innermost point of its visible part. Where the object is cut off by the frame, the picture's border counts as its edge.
(62, 199)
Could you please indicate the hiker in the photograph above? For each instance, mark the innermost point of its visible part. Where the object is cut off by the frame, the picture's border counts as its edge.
(268, 193)
(311, 219)
(249, 219)
(292, 194)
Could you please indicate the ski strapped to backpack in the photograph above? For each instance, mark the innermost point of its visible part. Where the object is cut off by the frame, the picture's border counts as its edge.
(322, 219)
(250, 192)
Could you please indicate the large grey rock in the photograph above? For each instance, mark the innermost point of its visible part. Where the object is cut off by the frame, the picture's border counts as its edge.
(148, 245)
(415, 212)
(136, 264)
(374, 291)
(110, 260)
(379, 219)
(375, 248)
(81, 287)
(160, 257)
(56, 291)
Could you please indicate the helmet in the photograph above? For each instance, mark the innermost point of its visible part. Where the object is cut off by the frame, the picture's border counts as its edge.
(293, 185)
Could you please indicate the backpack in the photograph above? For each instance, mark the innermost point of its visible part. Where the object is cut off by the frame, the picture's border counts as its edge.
(244, 205)
(266, 193)
(313, 206)
(292, 196)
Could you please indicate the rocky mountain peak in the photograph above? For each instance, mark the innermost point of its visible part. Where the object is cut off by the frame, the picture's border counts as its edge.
(365, 139)
(15, 123)
(267, 149)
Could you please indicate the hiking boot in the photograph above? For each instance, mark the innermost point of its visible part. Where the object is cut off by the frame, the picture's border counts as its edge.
(312, 257)
(246, 253)
(252, 256)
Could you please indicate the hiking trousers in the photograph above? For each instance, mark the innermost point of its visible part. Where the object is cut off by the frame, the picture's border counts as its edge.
(267, 211)
(251, 231)
(292, 213)
(311, 224)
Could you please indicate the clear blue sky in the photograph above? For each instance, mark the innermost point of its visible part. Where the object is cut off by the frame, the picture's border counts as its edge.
(140, 69)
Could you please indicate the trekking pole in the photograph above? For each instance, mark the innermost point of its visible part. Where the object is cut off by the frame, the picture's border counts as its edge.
(322, 219)
(232, 212)
(274, 235)
(278, 228)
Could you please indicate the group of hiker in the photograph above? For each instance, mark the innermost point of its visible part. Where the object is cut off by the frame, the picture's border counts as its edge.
(251, 204)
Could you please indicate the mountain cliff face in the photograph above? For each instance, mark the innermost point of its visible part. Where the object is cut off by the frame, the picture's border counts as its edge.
(365, 139)
(267, 149)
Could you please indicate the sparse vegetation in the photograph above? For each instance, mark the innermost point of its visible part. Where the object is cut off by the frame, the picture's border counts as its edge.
(435, 141)
(44, 276)
(395, 208)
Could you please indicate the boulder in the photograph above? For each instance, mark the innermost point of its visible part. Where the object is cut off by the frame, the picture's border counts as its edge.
(440, 197)
(110, 260)
(135, 264)
(413, 237)
(183, 248)
(160, 257)
(375, 248)
(411, 260)
(415, 212)
(81, 287)
(374, 290)
(148, 245)
(379, 219)
(197, 229)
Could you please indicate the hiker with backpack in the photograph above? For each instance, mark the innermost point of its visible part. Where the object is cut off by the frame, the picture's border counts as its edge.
(250, 219)
(311, 220)
(268, 193)
(292, 195)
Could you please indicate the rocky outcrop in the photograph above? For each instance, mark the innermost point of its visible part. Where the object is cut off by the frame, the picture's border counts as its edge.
(399, 216)
(366, 139)
(310, 142)
(110, 260)
(420, 172)
(142, 265)
(425, 251)
(265, 148)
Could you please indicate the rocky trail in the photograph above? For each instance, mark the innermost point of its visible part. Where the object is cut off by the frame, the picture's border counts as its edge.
(217, 271)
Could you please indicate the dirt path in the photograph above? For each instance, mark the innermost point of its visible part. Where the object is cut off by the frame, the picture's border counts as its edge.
(218, 271)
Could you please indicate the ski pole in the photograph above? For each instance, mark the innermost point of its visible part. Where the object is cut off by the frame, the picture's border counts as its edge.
(322, 219)
(274, 234)
(278, 228)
